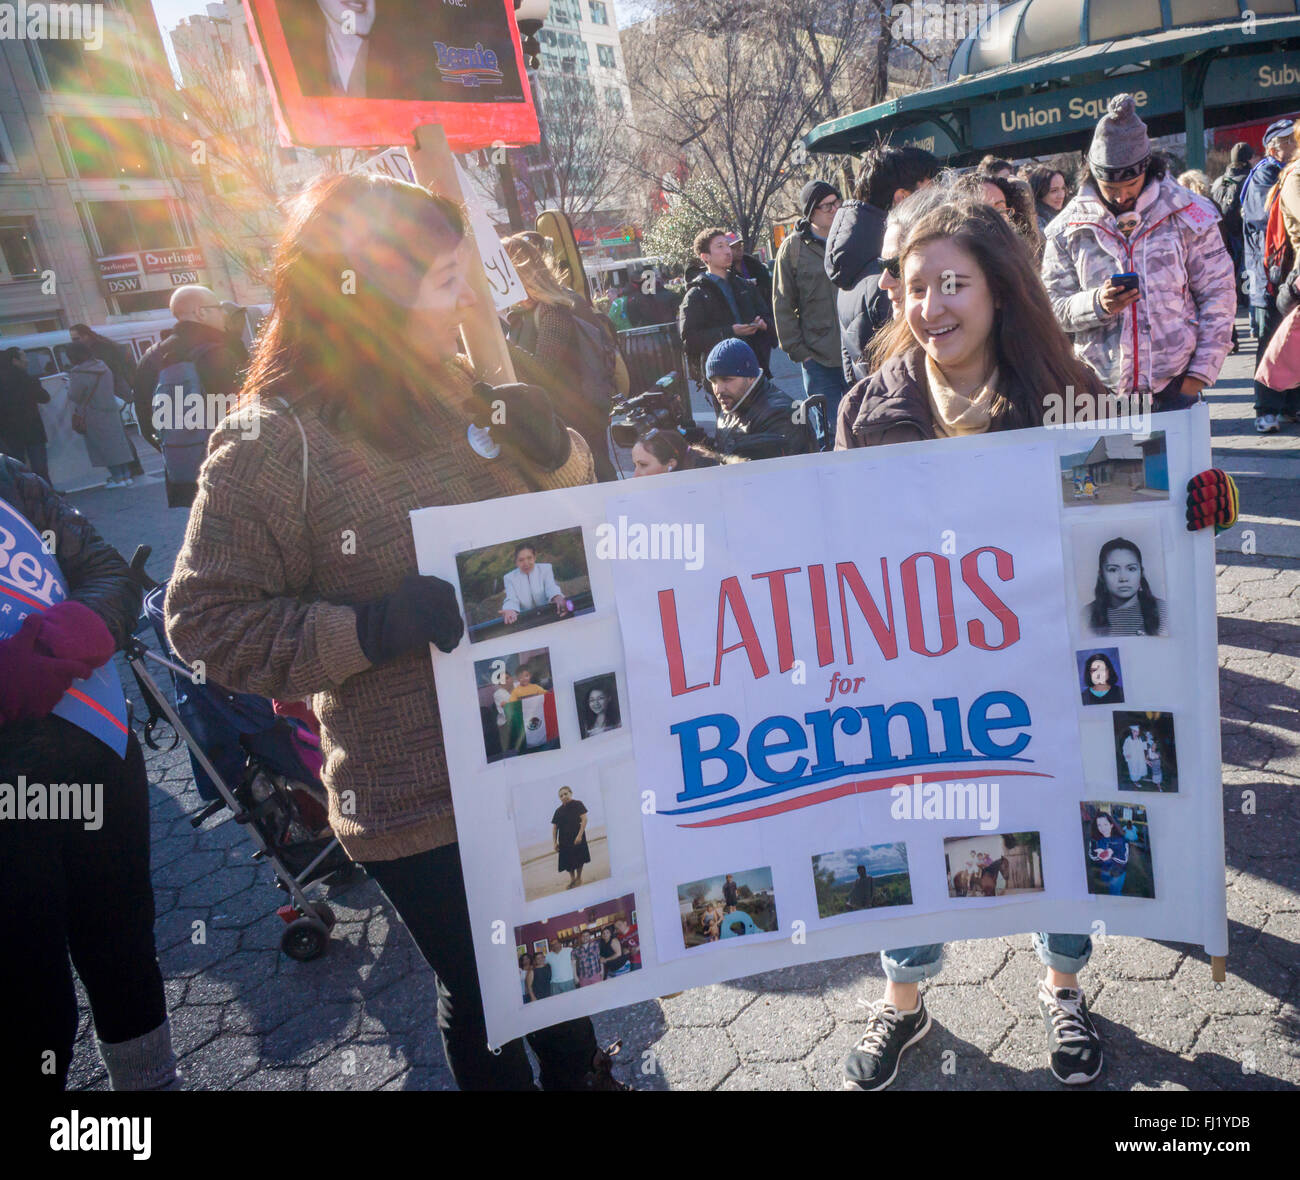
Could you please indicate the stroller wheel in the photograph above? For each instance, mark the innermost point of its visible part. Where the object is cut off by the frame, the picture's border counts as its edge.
(305, 939)
(325, 914)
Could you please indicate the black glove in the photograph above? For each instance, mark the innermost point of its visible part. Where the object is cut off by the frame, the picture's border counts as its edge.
(530, 424)
(421, 610)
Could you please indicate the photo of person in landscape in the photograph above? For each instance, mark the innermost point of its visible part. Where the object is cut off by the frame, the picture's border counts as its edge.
(1099, 677)
(561, 834)
(861, 879)
(597, 701)
(1117, 850)
(1146, 758)
(728, 906)
(523, 584)
(1124, 601)
(517, 704)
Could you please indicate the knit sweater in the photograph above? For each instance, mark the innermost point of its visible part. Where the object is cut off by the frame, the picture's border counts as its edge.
(263, 592)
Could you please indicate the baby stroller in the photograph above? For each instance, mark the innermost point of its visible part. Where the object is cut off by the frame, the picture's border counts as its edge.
(252, 761)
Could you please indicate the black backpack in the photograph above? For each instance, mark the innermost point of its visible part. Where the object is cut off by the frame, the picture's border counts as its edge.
(1226, 194)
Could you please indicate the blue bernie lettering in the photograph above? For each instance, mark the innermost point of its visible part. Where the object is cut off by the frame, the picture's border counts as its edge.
(693, 757)
(978, 723)
(760, 751)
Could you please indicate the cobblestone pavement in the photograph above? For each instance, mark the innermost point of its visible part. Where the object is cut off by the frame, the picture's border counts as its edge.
(246, 1017)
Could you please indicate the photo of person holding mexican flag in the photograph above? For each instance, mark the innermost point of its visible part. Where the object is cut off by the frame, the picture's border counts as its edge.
(517, 704)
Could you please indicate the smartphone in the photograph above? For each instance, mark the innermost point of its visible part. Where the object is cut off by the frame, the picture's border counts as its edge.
(1125, 282)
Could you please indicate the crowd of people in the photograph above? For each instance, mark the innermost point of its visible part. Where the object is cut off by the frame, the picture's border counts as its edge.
(929, 306)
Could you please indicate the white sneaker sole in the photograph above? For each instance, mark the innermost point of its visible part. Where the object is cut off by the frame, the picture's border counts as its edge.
(889, 1081)
(1075, 1079)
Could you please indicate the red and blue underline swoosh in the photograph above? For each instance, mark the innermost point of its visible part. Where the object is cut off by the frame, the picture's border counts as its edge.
(857, 787)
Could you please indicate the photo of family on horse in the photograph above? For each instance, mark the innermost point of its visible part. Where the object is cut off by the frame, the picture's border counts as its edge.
(994, 866)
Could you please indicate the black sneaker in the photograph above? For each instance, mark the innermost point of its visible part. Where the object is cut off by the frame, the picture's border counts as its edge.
(601, 1075)
(872, 1064)
(1074, 1048)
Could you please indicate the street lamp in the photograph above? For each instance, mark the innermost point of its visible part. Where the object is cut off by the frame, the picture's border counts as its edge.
(530, 16)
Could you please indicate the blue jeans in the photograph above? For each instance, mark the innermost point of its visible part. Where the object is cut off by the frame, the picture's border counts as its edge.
(1066, 953)
(829, 382)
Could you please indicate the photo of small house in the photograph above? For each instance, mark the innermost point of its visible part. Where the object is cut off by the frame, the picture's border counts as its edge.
(1117, 849)
(1117, 469)
(856, 879)
(997, 865)
(727, 906)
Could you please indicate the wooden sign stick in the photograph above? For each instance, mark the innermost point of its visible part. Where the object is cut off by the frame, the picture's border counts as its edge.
(435, 168)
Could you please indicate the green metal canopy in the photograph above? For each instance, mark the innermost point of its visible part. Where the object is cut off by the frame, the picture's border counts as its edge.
(1033, 78)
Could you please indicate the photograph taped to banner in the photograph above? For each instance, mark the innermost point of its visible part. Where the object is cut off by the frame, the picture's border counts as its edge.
(366, 73)
(804, 691)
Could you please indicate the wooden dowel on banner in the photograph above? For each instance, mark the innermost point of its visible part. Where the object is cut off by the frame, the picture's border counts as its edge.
(435, 168)
(1218, 968)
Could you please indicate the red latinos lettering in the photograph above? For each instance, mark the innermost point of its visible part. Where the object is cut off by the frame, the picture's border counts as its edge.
(863, 604)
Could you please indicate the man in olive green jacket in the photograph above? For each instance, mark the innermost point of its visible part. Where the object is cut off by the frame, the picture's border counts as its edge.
(807, 326)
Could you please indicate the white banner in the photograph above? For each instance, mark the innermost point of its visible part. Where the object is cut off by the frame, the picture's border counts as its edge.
(737, 719)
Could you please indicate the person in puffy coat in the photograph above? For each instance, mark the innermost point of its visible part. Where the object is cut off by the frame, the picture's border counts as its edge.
(72, 886)
(90, 393)
(1169, 336)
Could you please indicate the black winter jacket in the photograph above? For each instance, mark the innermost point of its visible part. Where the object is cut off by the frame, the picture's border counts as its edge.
(219, 357)
(762, 426)
(96, 573)
(705, 318)
(20, 420)
(853, 265)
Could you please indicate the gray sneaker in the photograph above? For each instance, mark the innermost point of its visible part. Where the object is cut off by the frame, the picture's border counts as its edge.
(872, 1064)
(1266, 424)
(1073, 1044)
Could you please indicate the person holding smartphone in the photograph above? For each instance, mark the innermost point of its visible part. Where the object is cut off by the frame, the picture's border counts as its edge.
(1138, 273)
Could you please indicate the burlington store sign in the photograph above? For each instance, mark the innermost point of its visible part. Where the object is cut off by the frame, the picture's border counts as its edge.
(152, 270)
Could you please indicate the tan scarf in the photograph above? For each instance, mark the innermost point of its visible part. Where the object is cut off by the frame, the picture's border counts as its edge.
(955, 415)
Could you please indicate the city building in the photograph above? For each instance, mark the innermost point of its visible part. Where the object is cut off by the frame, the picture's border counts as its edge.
(94, 225)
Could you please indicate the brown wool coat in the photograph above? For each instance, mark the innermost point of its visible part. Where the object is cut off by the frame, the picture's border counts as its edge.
(262, 593)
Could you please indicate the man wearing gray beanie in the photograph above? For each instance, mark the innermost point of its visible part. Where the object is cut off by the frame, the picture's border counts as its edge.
(803, 298)
(1138, 273)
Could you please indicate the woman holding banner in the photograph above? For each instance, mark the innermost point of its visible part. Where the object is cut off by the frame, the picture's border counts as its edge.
(297, 576)
(977, 349)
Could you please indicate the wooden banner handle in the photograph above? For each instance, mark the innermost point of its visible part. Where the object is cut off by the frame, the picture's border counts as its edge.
(435, 168)
(1218, 968)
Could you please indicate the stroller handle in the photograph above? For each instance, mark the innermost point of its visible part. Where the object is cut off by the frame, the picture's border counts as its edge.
(137, 570)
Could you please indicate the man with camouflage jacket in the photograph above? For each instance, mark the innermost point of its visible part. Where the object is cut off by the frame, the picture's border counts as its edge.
(1169, 335)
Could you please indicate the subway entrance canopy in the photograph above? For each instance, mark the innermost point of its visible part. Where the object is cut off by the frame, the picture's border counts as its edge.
(1034, 77)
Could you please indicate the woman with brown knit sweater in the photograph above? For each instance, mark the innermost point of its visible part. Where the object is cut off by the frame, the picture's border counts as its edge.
(297, 575)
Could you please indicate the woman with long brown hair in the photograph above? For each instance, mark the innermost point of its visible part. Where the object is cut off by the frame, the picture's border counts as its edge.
(977, 349)
(298, 577)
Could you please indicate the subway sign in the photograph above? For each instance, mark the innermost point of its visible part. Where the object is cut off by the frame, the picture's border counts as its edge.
(934, 138)
(1235, 80)
(1157, 92)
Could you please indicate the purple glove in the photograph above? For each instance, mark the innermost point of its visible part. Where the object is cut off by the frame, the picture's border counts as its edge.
(72, 631)
(31, 682)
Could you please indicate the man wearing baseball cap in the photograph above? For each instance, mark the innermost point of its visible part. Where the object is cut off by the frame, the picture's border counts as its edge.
(1138, 273)
(803, 299)
(1279, 149)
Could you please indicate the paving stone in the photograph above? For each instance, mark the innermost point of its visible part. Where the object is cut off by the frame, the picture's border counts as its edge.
(975, 1011)
(1116, 957)
(222, 1064)
(784, 1027)
(696, 1058)
(406, 1003)
(1249, 1053)
(1255, 984)
(703, 1007)
(1157, 1012)
(357, 1065)
(973, 960)
(217, 886)
(307, 1037)
(182, 871)
(193, 1026)
(272, 1079)
(783, 1075)
(421, 1077)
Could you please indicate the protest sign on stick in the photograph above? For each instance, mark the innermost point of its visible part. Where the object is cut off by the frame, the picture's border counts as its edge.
(797, 728)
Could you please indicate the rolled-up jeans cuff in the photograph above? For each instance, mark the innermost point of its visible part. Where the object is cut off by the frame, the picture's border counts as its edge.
(911, 964)
(1066, 953)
